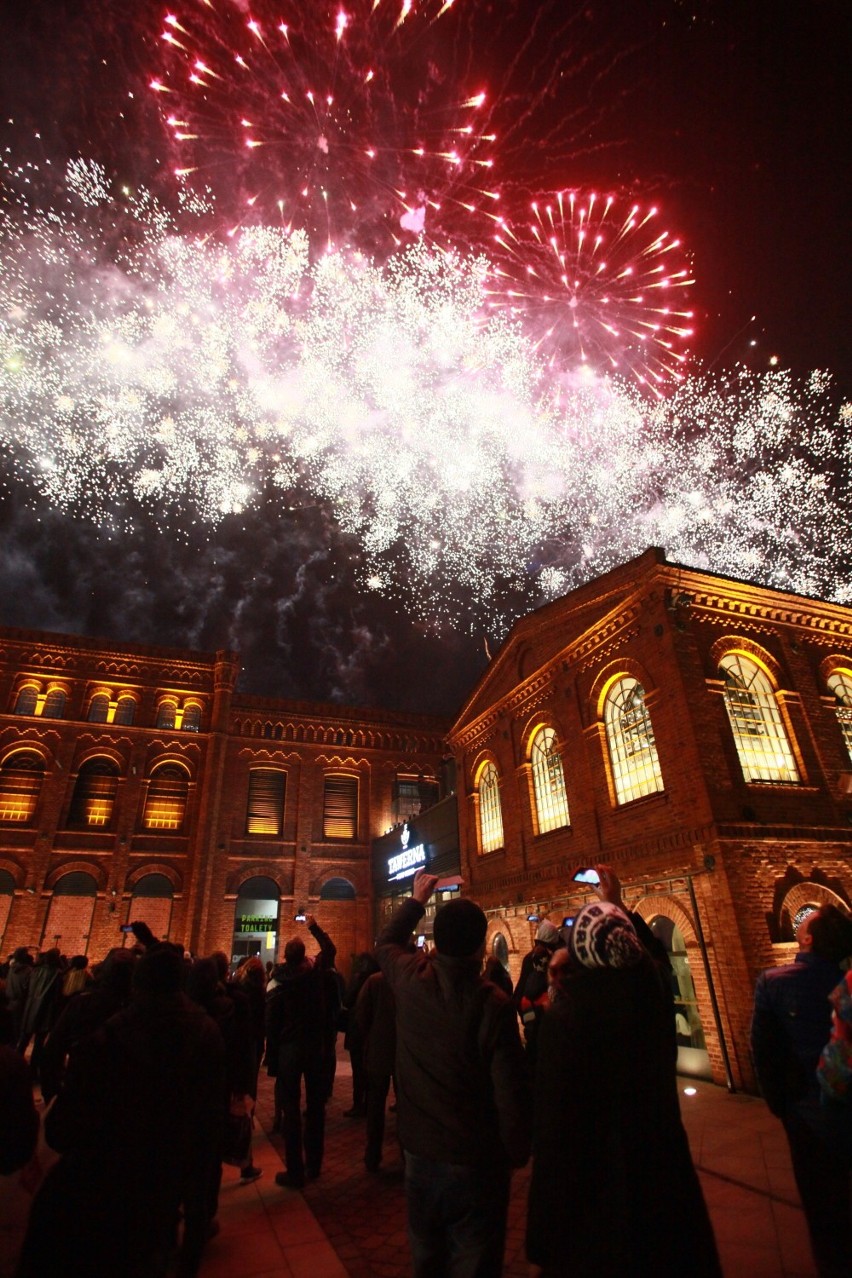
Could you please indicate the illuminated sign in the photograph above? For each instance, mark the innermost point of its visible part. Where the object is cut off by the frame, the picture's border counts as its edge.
(408, 861)
(255, 923)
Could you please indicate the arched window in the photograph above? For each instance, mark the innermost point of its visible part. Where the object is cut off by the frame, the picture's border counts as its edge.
(840, 685)
(191, 721)
(125, 711)
(99, 708)
(630, 737)
(265, 811)
(761, 739)
(551, 801)
(165, 805)
(166, 715)
(26, 701)
(340, 808)
(54, 704)
(93, 799)
(21, 776)
(337, 890)
(490, 815)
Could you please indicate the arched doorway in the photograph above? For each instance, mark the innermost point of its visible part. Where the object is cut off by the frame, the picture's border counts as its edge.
(151, 904)
(69, 918)
(692, 1055)
(256, 921)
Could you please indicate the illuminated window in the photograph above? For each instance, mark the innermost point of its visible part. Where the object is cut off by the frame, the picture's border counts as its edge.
(166, 715)
(54, 704)
(840, 684)
(759, 733)
(27, 701)
(99, 708)
(413, 795)
(340, 808)
(551, 801)
(125, 711)
(191, 721)
(490, 816)
(165, 806)
(93, 799)
(20, 784)
(630, 737)
(265, 810)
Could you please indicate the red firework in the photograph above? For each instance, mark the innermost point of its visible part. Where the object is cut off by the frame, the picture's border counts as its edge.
(323, 117)
(598, 283)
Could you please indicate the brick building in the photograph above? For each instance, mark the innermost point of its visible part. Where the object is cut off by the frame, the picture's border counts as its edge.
(691, 730)
(135, 784)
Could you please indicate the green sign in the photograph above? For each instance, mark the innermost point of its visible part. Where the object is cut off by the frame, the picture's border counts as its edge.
(256, 923)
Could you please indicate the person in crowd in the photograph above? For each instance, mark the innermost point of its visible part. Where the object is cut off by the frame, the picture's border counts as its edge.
(558, 974)
(251, 979)
(530, 994)
(206, 987)
(17, 985)
(375, 1013)
(296, 1046)
(462, 1091)
(18, 1114)
(43, 1005)
(136, 1124)
(790, 1028)
(363, 967)
(335, 1016)
(608, 1142)
(107, 994)
(76, 978)
(496, 973)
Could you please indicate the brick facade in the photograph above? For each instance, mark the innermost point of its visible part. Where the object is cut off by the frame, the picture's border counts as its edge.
(726, 860)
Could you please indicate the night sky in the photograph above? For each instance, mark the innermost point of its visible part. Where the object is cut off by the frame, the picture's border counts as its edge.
(735, 116)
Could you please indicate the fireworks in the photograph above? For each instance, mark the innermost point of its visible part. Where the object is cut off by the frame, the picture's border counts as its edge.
(599, 281)
(180, 376)
(328, 119)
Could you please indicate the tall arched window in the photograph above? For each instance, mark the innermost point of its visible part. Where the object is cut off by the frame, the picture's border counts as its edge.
(630, 737)
(490, 814)
(125, 711)
(54, 704)
(26, 701)
(166, 715)
(551, 801)
(93, 799)
(191, 721)
(165, 805)
(99, 708)
(21, 776)
(840, 685)
(759, 733)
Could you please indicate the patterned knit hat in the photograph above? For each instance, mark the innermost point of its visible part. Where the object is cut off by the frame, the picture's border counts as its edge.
(603, 936)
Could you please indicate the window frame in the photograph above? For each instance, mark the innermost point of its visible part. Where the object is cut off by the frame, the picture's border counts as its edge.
(546, 767)
(630, 744)
(755, 716)
(492, 835)
(335, 822)
(260, 799)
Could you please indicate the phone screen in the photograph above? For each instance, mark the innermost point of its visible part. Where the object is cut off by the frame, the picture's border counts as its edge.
(587, 876)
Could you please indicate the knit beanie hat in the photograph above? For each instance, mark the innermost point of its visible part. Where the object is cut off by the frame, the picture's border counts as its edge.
(547, 934)
(460, 928)
(603, 936)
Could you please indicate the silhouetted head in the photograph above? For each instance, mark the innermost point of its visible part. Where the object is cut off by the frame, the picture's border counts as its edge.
(459, 930)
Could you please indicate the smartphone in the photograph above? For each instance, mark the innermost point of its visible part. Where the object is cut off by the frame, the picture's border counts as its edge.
(587, 876)
(126, 927)
(421, 941)
(568, 921)
(299, 918)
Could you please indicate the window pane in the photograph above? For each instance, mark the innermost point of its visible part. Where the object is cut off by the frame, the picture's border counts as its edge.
(191, 721)
(125, 711)
(630, 737)
(99, 708)
(54, 704)
(551, 801)
(27, 701)
(20, 784)
(759, 733)
(265, 802)
(490, 815)
(166, 714)
(840, 683)
(165, 806)
(94, 794)
(340, 808)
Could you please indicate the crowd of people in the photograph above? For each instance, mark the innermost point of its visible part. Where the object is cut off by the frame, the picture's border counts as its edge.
(148, 1071)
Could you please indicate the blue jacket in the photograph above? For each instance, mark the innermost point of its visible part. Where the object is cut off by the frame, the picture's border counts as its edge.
(791, 1026)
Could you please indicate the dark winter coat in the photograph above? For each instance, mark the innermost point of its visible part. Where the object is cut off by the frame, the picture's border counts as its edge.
(613, 1188)
(44, 999)
(375, 1015)
(462, 1091)
(17, 985)
(298, 1008)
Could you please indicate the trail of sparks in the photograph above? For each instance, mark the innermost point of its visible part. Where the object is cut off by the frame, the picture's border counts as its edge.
(182, 375)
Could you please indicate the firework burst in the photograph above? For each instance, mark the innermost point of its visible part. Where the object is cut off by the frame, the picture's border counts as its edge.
(598, 281)
(329, 118)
